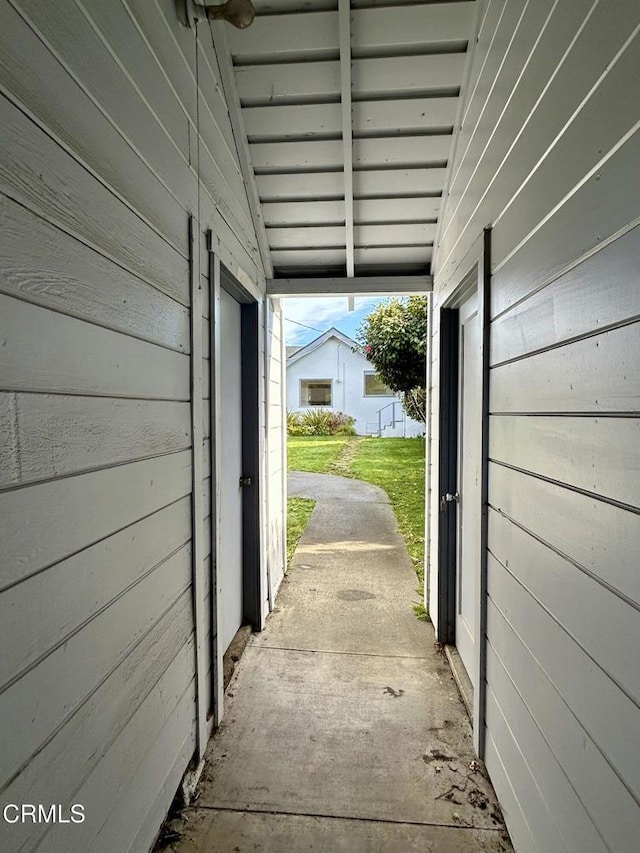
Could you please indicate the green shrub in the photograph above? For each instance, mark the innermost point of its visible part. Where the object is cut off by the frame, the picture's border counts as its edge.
(320, 422)
(341, 424)
(293, 420)
(295, 425)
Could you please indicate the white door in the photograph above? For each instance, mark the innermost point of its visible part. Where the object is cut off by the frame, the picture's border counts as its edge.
(469, 470)
(230, 555)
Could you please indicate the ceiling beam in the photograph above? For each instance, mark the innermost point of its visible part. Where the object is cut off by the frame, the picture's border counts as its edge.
(359, 286)
(344, 23)
(230, 91)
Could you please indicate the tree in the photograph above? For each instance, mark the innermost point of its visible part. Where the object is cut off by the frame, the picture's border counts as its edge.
(394, 339)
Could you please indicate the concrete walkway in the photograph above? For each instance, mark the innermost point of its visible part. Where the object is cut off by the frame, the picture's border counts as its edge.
(344, 730)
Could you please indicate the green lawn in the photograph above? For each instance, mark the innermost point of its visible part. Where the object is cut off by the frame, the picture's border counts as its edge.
(314, 453)
(394, 464)
(298, 512)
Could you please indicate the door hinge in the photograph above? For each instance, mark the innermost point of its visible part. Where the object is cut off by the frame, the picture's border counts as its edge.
(245, 481)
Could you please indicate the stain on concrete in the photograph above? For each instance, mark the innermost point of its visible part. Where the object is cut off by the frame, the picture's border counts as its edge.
(354, 594)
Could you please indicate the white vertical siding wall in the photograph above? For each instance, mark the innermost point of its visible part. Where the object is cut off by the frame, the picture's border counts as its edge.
(114, 130)
(277, 450)
(549, 155)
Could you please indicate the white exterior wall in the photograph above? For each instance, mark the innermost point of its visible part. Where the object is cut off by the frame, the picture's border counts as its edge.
(114, 131)
(277, 448)
(336, 361)
(549, 155)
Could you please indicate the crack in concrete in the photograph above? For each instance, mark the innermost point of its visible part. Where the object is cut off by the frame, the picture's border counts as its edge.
(249, 809)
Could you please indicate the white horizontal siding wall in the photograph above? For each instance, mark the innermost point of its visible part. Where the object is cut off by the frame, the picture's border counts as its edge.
(549, 155)
(114, 131)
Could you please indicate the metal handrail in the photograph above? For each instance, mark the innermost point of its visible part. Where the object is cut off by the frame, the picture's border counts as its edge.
(393, 420)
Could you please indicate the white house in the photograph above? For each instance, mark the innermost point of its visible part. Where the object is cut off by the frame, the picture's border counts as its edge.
(330, 373)
(164, 180)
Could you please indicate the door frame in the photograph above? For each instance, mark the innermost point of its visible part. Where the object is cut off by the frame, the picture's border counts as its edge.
(476, 276)
(221, 278)
(251, 527)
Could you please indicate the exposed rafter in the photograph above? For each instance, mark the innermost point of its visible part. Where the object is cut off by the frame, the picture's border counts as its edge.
(344, 22)
(359, 285)
(228, 81)
(349, 109)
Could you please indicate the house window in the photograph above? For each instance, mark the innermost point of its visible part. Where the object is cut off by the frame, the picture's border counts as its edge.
(315, 392)
(374, 386)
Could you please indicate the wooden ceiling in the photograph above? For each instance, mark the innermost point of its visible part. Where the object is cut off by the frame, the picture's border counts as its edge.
(348, 111)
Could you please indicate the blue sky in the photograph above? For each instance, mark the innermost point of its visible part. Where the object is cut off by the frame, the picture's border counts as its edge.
(323, 312)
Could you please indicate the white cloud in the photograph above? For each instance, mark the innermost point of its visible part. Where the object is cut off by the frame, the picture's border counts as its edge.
(321, 313)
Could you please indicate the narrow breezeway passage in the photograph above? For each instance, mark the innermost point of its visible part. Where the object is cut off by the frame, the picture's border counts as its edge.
(343, 728)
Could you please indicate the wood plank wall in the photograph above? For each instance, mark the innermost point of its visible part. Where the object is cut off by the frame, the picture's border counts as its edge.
(549, 155)
(114, 131)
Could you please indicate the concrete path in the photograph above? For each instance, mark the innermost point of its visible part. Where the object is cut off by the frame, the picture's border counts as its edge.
(344, 730)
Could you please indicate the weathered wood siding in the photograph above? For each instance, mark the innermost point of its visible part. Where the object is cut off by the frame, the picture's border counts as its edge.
(549, 155)
(114, 131)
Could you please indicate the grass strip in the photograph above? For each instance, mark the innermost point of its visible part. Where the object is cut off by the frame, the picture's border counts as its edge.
(314, 453)
(298, 512)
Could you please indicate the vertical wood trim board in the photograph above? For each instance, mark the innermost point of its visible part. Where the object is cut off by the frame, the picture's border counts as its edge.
(269, 319)
(197, 500)
(283, 393)
(344, 18)
(484, 307)
(216, 456)
(428, 446)
(262, 449)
